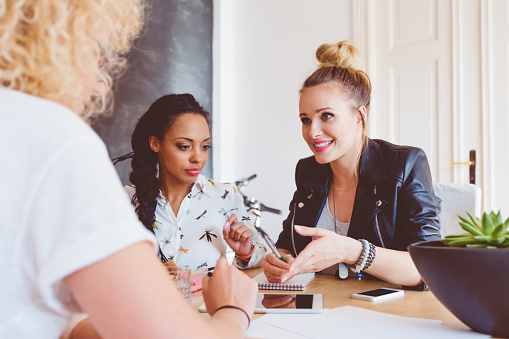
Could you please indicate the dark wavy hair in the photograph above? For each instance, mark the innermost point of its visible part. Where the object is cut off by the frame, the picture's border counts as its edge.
(156, 121)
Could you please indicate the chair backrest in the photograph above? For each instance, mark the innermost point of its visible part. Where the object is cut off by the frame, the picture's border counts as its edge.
(457, 199)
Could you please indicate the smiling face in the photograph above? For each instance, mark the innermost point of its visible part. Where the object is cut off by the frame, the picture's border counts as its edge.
(331, 127)
(184, 151)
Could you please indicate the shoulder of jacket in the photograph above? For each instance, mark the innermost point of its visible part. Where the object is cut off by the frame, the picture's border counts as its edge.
(310, 173)
(307, 165)
(399, 159)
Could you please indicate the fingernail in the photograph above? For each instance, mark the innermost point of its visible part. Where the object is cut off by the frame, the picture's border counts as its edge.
(227, 225)
(284, 279)
(297, 228)
(291, 269)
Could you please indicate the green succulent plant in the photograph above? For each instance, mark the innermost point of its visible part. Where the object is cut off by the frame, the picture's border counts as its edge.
(488, 232)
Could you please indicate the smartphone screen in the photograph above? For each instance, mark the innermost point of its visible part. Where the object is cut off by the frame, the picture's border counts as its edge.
(378, 292)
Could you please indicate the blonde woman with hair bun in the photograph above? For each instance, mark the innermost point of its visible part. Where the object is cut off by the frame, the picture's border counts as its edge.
(359, 201)
(69, 238)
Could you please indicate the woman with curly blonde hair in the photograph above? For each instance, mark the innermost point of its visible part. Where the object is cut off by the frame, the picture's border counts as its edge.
(69, 239)
(44, 44)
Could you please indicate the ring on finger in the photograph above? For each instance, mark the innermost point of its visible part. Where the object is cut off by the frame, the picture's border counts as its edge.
(268, 276)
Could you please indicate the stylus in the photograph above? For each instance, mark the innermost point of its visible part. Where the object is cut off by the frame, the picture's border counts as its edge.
(270, 243)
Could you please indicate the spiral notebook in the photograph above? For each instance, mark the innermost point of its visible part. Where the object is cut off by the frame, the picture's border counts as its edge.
(297, 283)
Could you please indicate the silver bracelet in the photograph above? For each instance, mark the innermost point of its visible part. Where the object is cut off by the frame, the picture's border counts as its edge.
(371, 256)
(359, 265)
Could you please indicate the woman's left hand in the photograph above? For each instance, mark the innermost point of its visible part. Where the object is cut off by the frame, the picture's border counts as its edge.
(238, 236)
(326, 249)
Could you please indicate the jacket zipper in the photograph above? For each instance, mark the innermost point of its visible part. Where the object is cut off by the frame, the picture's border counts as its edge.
(378, 231)
(376, 224)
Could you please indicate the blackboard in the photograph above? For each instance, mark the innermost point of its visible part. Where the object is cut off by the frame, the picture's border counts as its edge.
(173, 55)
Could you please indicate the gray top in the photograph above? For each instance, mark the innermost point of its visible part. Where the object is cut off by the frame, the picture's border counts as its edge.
(328, 222)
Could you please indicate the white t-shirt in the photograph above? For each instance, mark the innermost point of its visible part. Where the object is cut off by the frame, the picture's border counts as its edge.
(62, 208)
(194, 237)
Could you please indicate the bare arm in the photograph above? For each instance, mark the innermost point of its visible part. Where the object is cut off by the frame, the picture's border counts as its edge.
(329, 248)
(395, 267)
(129, 295)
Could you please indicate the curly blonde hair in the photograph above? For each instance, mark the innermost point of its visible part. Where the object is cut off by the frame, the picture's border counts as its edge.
(44, 46)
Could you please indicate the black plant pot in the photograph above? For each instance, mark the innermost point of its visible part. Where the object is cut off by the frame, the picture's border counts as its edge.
(473, 283)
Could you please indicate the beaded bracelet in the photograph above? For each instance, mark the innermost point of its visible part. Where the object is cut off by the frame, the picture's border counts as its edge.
(366, 258)
(236, 308)
(371, 256)
(357, 267)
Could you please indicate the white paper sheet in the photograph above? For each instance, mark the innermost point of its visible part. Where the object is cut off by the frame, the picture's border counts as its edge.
(351, 322)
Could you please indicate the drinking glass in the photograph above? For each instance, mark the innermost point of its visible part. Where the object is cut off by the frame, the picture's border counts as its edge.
(181, 276)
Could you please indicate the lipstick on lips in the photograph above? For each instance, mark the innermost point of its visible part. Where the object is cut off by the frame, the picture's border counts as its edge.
(193, 171)
(322, 145)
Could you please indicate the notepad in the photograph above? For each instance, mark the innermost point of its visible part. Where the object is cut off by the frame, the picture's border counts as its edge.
(196, 283)
(297, 283)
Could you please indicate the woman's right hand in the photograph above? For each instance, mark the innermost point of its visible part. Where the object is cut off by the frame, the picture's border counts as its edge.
(279, 301)
(229, 286)
(170, 263)
(274, 268)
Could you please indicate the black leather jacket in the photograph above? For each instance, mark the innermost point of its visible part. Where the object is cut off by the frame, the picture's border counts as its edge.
(394, 202)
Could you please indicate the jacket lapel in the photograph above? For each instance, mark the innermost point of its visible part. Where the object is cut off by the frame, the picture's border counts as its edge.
(311, 196)
(367, 202)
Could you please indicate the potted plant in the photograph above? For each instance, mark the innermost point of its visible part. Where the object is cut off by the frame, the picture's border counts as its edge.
(469, 273)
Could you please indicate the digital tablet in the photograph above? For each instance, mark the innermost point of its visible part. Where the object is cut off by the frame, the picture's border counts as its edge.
(285, 303)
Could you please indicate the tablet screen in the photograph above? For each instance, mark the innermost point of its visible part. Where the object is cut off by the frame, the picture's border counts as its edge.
(285, 303)
(288, 303)
(277, 300)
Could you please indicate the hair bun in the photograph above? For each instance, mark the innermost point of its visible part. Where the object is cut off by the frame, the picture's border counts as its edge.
(342, 54)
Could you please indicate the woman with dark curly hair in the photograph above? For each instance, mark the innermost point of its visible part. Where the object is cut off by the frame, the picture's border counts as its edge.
(187, 212)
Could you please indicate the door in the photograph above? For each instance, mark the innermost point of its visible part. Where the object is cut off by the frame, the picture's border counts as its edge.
(440, 80)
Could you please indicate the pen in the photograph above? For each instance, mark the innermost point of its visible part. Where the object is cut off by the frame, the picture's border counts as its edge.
(203, 271)
(269, 242)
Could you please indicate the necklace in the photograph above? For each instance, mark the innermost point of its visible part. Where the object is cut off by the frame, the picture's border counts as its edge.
(334, 201)
(346, 189)
(334, 208)
(342, 271)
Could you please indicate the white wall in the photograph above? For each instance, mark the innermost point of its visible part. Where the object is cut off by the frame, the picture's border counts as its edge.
(263, 51)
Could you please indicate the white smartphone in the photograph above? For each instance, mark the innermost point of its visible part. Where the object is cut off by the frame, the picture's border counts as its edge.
(379, 294)
(285, 303)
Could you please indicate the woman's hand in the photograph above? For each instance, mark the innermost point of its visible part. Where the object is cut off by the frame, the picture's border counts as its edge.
(229, 286)
(326, 249)
(279, 301)
(238, 236)
(84, 330)
(170, 263)
(274, 268)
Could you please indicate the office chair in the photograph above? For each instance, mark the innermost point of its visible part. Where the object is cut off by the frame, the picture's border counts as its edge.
(457, 199)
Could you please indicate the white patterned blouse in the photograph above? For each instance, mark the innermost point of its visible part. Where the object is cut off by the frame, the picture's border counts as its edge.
(194, 237)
